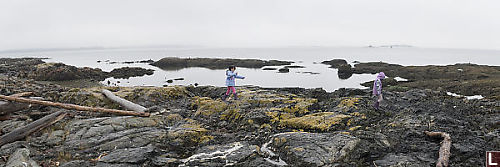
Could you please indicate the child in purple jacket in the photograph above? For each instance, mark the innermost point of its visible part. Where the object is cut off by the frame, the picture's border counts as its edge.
(231, 75)
(377, 89)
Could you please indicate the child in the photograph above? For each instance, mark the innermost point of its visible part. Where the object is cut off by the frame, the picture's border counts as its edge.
(231, 75)
(377, 89)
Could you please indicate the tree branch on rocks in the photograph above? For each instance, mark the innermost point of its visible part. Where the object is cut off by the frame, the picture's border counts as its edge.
(444, 151)
(73, 106)
(124, 103)
(24, 131)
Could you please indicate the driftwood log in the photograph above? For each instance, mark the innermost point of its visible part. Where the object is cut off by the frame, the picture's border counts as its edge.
(7, 107)
(73, 106)
(444, 151)
(10, 107)
(24, 131)
(124, 103)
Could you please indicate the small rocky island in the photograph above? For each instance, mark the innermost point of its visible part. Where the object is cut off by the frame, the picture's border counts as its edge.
(174, 63)
(191, 126)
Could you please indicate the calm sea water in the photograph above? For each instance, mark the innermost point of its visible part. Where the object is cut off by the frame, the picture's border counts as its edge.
(309, 57)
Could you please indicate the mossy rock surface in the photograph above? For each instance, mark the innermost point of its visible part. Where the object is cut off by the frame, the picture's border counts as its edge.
(318, 121)
(207, 106)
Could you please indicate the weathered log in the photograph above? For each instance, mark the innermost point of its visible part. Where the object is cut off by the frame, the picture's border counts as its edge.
(124, 103)
(24, 131)
(9, 107)
(23, 94)
(73, 106)
(444, 151)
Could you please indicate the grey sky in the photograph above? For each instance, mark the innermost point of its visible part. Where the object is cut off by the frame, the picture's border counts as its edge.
(254, 23)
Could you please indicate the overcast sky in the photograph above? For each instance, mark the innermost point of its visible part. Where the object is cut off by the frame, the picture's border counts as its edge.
(249, 23)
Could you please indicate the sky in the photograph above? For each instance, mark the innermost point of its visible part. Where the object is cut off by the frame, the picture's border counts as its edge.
(472, 24)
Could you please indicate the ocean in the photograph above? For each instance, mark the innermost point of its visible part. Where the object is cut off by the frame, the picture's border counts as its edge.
(309, 57)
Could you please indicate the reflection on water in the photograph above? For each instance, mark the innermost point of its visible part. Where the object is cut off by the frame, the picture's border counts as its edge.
(314, 75)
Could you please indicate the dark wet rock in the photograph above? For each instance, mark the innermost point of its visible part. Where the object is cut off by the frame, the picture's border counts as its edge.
(21, 61)
(335, 63)
(345, 71)
(55, 138)
(21, 158)
(179, 79)
(9, 125)
(8, 149)
(146, 61)
(122, 133)
(375, 67)
(207, 91)
(312, 73)
(220, 155)
(61, 72)
(351, 92)
(13, 66)
(284, 70)
(295, 67)
(386, 83)
(314, 149)
(269, 68)
(127, 62)
(392, 160)
(127, 72)
(170, 81)
(164, 161)
(101, 164)
(76, 163)
(173, 63)
(132, 155)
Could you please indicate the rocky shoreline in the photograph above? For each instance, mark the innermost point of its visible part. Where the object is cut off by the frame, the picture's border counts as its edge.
(463, 79)
(191, 126)
(35, 68)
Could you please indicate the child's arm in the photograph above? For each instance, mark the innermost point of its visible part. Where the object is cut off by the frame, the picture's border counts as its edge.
(379, 86)
(239, 77)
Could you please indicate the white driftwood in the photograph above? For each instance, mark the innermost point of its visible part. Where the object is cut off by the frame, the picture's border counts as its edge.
(73, 106)
(124, 103)
(444, 150)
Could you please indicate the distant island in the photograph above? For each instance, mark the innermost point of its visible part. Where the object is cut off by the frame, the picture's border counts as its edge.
(390, 46)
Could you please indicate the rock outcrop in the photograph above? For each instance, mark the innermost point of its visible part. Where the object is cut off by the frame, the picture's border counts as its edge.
(35, 68)
(344, 69)
(464, 79)
(174, 63)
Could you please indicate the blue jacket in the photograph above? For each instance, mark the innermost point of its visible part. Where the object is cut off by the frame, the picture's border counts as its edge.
(231, 77)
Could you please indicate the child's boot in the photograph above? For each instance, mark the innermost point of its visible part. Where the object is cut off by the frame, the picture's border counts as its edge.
(224, 97)
(235, 96)
(376, 105)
